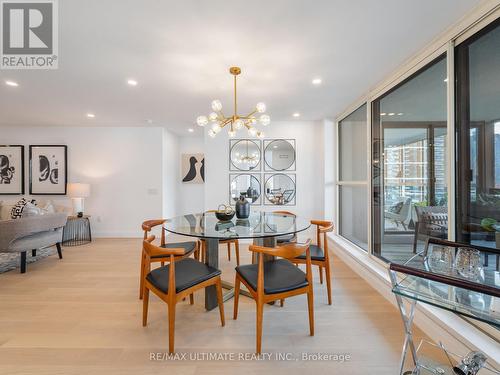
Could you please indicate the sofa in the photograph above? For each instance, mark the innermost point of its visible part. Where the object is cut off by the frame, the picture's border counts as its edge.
(31, 233)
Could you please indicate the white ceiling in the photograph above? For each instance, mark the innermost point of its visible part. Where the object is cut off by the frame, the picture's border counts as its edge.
(179, 52)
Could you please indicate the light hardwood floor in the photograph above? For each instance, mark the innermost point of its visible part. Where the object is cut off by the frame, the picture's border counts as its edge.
(82, 315)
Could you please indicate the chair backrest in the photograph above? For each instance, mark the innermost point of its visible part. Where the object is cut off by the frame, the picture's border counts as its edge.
(284, 213)
(322, 227)
(148, 225)
(151, 250)
(288, 251)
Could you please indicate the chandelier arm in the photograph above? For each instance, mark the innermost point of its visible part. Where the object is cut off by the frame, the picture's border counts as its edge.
(249, 116)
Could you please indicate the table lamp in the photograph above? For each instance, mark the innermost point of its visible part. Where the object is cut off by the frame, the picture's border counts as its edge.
(78, 192)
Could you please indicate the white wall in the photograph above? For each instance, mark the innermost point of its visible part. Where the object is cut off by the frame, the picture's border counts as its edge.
(170, 173)
(309, 173)
(191, 196)
(122, 165)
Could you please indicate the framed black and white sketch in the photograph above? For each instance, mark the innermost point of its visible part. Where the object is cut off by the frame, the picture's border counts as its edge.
(48, 170)
(246, 185)
(244, 155)
(11, 170)
(280, 189)
(279, 155)
(193, 168)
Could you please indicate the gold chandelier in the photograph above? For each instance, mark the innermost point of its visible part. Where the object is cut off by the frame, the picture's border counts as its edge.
(235, 122)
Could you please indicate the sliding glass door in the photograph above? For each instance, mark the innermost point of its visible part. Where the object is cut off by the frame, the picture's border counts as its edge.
(478, 134)
(409, 163)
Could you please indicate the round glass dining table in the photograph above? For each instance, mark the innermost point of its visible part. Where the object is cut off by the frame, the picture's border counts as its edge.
(261, 227)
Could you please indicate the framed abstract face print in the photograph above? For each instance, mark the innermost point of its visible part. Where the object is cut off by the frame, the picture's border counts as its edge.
(11, 170)
(48, 170)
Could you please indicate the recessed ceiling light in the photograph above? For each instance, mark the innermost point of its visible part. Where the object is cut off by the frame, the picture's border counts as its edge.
(11, 83)
(445, 80)
(296, 114)
(383, 114)
(132, 82)
(316, 81)
(400, 114)
(391, 114)
(149, 121)
(190, 130)
(90, 115)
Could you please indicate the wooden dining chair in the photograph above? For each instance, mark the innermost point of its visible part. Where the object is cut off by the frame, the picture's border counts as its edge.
(227, 242)
(190, 247)
(175, 281)
(319, 254)
(275, 280)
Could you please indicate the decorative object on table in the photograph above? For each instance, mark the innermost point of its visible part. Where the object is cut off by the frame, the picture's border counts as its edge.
(242, 208)
(224, 213)
(242, 222)
(246, 185)
(279, 155)
(468, 262)
(234, 122)
(441, 259)
(78, 192)
(244, 155)
(193, 168)
(280, 189)
(48, 170)
(77, 231)
(11, 170)
(471, 364)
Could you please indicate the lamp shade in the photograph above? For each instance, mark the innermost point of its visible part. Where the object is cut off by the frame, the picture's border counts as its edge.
(77, 190)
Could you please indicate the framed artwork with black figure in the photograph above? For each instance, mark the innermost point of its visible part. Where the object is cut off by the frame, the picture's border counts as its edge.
(48, 169)
(11, 170)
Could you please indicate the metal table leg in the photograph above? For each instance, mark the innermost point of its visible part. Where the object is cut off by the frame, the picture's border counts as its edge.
(212, 259)
(407, 318)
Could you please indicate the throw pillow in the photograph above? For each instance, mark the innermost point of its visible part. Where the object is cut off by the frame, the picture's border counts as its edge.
(31, 210)
(17, 210)
(49, 208)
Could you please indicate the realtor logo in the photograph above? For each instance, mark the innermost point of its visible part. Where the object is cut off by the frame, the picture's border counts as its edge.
(28, 34)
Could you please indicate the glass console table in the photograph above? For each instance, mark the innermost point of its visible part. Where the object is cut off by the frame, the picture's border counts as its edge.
(420, 279)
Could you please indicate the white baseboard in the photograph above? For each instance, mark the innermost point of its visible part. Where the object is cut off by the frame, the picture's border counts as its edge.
(455, 333)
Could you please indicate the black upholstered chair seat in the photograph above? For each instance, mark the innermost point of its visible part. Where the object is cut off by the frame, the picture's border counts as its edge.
(286, 238)
(187, 246)
(317, 253)
(188, 273)
(279, 276)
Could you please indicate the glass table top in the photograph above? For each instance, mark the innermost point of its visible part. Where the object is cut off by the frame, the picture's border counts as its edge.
(260, 224)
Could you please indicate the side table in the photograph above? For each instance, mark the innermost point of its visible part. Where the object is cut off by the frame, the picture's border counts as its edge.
(77, 231)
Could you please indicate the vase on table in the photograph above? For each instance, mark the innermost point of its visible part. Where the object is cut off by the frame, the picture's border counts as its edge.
(242, 208)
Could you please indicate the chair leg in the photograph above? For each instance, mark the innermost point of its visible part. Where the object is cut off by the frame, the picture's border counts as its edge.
(191, 299)
(162, 263)
(145, 303)
(260, 316)
(282, 302)
(171, 326)
(237, 250)
(236, 297)
(229, 251)
(59, 250)
(23, 262)
(310, 303)
(320, 269)
(33, 253)
(328, 282)
(141, 281)
(220, 301)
